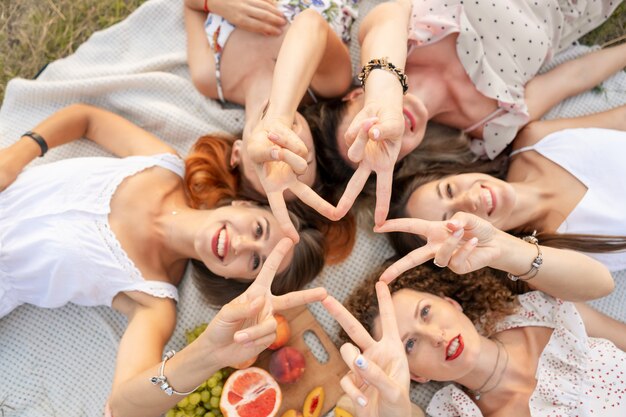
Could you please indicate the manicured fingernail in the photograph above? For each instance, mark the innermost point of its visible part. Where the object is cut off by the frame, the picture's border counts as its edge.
(274, 154)
(376, 133)
(361, 401)
(241, 337)
(454, 223)
(272, 136)
(361, 362)
(458, 233)
(473, 241)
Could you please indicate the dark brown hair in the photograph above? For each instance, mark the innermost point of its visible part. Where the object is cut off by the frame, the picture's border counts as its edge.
(484, 295)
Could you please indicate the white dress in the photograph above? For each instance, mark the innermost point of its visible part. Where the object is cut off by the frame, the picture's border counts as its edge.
(577, 375)
(596, 158)
(56, 245)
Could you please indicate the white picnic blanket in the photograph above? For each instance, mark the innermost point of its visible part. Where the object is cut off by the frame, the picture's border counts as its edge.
(60, 362)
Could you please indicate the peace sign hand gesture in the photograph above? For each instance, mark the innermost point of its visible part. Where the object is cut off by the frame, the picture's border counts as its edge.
(464, 243)
(244, 327)
(379, 378)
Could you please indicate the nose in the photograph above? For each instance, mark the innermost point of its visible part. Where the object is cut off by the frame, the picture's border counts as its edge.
(467, 201)
(435, 335)
(242, 243)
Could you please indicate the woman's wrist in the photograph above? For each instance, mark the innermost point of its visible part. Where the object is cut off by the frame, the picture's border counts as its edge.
(25, 150)
(516, 255)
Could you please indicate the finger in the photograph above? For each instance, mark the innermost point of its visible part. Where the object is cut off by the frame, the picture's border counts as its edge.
(348, 322)
(391, 128)
(287, 139)
(313, 200)
(351, 390)
(352, 191)
(271, 264)
(299, 298)
(270, 7)
(460, 258)
(258, 331)
(279, 209)
(356, 126)
(263, 154)
(412, 225)
(356, 151)
(414, 258)
(376, 377)
(349, 353)
(447, 248)
(384, 180)
(240, 309)
(387, 311)
(252, 24)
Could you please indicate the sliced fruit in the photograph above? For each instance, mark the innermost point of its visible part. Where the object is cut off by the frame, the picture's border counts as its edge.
(250, 392)
(287, 365)
(314, 403)
(340, 412)
(292, 413)
(283, 332)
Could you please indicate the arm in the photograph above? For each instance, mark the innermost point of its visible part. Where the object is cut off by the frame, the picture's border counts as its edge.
(535, 131)
(467, 243)
(200, 57)
(259, 16)
(572, 77)
(112, 132)
(602, 326)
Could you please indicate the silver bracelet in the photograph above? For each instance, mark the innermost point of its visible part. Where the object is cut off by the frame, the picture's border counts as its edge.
(161, 380)
(534, 265)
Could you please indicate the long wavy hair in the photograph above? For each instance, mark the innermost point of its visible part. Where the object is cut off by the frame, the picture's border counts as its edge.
(485, 295)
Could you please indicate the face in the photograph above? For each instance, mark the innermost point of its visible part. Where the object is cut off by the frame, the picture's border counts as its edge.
(236, 240)
(301, 128)
(440, 342)
(415, 118)
(483, 195)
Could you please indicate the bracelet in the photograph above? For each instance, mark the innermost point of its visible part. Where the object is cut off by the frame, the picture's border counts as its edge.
(43, 145)
(382, 63)
(161, 380)
(534, 265)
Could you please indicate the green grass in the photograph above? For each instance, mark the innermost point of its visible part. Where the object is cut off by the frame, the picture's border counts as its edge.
(35, 32)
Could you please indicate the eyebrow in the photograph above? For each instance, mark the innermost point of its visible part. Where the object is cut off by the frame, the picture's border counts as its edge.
(267, 228)
(415, 314)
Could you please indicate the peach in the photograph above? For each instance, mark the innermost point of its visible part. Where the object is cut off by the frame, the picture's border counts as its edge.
(287, 365)
(314, 403)
(292, 413)
(340, 412)
(283, 332)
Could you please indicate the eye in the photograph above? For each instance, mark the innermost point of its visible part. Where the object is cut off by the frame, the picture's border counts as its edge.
(258, 231)
(256, 261)
(409, 345)
(424, 312)
(449, 190)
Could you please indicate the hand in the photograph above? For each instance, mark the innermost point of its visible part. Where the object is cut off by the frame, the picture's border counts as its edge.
(244, 327)
(379, 378)
(464, 243)
(259, 16)
(379, 156)
(273, 140)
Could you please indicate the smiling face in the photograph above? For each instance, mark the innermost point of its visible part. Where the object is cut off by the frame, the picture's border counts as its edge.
(241, 158)
(236, 240)
(483, 195)
(413, 111)
(440, 342)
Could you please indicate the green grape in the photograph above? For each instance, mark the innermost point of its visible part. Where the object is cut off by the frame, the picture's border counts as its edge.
(205, 396)
(194, 398)
(200, 410)
(183, 403)
(218, 412)
(216, 391)
(190, 407)
(211, 382)
(201, 387)
(181, 414)
(171, 413)
(215, 402)
(218, 375)
(209, 414)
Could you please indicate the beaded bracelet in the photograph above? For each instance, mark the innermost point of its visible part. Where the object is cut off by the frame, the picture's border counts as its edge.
(534, 265)
(43, 145)
(161, 380)
(382, 63)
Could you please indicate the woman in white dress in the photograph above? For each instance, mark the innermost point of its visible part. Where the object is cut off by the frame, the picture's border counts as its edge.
(119, 232)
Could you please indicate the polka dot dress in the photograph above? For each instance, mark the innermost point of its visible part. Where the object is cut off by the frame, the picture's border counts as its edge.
(502, 45)
(576, 375)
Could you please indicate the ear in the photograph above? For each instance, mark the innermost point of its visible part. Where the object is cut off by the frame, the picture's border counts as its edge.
(454, 303)
(235, 154)
(419, 379)
(352, 94)
(242, 203)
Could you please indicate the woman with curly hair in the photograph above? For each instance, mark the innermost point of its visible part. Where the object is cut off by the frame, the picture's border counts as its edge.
(526, 355)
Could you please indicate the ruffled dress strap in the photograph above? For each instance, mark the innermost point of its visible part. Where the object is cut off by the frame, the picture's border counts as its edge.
(158, 289)
(451, 401)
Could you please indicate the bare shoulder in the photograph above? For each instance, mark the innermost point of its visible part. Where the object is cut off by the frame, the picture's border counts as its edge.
(131, 302)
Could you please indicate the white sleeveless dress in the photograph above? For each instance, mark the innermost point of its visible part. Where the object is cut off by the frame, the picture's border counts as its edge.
(577, 375)
(56, 245)
(596, 158)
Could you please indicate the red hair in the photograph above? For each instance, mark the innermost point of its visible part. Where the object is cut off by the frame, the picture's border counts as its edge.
(208, 175)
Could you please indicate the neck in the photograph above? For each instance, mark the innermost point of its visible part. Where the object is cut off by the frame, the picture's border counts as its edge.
(431, 94)
(489, 367)
(178, 225)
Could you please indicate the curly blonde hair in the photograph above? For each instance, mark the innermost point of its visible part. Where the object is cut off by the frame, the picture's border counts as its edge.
(485, 295)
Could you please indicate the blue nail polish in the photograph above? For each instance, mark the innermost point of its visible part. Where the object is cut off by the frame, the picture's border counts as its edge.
(361, 362)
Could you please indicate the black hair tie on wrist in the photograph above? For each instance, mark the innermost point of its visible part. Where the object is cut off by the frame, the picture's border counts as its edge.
(43, 145)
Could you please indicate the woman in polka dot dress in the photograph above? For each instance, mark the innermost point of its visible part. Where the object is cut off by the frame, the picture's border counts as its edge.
(470, 64)
(527, 355)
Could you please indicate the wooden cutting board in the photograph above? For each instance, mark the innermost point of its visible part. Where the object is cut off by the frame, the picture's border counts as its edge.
(316, 374)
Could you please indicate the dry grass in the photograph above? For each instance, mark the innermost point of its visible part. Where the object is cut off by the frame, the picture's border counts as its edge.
(35, 32)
